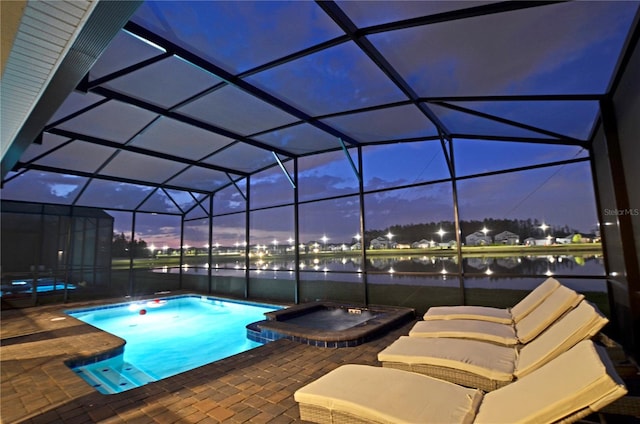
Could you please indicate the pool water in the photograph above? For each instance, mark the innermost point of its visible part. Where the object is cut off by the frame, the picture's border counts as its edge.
(167, 337)
(25, 286)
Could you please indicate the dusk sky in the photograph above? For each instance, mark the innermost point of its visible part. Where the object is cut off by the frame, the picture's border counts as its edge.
(562, 49)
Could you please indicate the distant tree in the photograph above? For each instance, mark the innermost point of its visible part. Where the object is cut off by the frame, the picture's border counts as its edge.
(140, 249)
(121, 247)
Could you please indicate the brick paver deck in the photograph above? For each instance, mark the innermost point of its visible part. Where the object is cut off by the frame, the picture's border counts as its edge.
(256, 386)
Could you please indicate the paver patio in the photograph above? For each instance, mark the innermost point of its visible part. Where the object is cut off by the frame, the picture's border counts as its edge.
(255, 386)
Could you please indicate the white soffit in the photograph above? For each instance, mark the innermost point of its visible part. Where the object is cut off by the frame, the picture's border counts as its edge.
(46, 32)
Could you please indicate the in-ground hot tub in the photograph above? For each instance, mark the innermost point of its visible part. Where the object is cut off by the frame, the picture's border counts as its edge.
(328, 324)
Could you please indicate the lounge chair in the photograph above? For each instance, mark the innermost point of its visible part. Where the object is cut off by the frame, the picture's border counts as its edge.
(502, 316)
(560, 301)
(572, 386)
(488, 366)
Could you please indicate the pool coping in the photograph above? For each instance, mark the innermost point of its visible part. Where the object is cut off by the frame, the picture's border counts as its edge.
(146, 299)
(274, 327)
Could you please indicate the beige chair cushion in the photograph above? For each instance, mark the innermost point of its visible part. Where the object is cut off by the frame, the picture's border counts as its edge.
(579, 378)
(494, 362)
(561, 300)
(550, 309)
(533, 299)
(503, 316)
(483, 313)
(391, 396)
(485, 359)
(582, 323)
(466, 329)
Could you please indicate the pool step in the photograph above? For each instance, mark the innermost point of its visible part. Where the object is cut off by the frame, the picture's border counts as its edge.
(110, 378)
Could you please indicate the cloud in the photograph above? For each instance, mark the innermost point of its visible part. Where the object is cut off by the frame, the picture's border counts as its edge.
(508, 53)
(431, 203)
(63, 190)
(558, 195)
(155, 229)
(36, 186)
(336, 79)
(232, 33)
(367, 13)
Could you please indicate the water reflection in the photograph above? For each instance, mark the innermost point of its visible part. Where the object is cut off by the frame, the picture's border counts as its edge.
(592, 265)
(543, 265)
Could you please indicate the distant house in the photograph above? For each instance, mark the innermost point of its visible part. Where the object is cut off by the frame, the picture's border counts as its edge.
(449, 244)
(378, 243)
(381, 243)
(477, 239)
(423, 244)
(507, 237)
(537, 242)
(564, 240)
(573, 238)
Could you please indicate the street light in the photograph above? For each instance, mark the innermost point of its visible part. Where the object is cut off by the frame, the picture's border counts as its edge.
(442, 233)
(544, 227)
(485, 230)
(389, 235)
(324, 242)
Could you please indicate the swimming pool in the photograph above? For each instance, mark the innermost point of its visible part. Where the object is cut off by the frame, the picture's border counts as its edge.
(26, 286)
(165, 337)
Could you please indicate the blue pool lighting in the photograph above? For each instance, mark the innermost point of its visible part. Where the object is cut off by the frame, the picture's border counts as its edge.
(165, 337)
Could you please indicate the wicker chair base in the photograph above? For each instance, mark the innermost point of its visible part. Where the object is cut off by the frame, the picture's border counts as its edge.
(460, 377)
(627, 405)
(318, 414)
